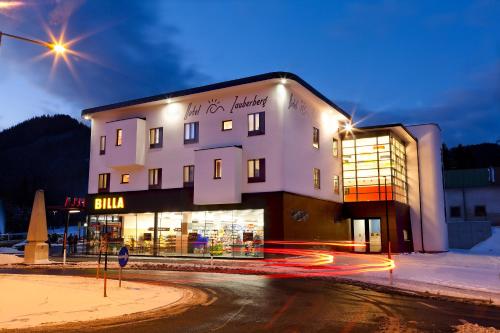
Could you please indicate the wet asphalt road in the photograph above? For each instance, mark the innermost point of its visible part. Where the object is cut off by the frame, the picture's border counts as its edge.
(242, 303)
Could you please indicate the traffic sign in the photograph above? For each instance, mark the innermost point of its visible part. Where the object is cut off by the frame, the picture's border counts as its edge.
(123, 256)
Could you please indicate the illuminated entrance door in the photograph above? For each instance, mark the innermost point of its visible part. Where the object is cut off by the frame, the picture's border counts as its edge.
(375, 238)
(359, 234)
(367, 231)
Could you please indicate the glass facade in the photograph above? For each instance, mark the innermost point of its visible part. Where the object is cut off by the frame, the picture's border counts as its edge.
(225, 233)
(374, 166)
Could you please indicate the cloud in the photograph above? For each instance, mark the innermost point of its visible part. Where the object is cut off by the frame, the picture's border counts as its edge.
(466, 115)
(126, 51)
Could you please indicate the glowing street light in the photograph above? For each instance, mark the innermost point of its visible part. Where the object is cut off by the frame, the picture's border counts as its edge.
(56, 47)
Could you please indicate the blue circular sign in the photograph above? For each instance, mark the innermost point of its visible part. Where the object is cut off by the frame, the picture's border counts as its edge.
(123, 256)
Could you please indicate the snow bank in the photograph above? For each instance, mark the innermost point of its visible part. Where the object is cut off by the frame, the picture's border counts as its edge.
(8, 259)
(32, 300)
(490, 246)
(453, 274)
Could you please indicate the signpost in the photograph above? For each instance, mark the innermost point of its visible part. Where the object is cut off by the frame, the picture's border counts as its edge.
(122, 260)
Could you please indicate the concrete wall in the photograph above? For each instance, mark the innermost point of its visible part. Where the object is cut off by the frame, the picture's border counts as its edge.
(464, 235)
(433, 218)
(474, 196)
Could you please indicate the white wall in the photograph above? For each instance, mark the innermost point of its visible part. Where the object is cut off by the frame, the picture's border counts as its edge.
(302, 112)
(474, 196)
(286, 144)
(431, 187)
(227, 189)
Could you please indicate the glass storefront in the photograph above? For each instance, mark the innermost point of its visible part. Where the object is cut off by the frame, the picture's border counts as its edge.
(373, 167)
(224, 233)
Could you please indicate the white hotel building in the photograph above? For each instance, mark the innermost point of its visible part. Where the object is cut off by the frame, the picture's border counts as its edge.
(224, 167)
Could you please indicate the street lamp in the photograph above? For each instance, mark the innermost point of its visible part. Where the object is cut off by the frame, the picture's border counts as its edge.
(56, 47)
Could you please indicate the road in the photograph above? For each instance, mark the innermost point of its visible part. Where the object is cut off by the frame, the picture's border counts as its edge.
(244, 303)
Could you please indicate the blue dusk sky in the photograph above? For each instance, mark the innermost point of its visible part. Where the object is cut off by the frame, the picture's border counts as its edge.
(383, 61)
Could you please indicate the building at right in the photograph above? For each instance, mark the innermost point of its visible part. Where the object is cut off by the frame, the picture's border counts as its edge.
(393, 187)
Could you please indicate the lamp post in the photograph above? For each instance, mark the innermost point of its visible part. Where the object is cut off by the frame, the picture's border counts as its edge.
(56, 47)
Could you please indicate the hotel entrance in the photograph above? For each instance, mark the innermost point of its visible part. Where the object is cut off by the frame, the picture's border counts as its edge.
(367, 231)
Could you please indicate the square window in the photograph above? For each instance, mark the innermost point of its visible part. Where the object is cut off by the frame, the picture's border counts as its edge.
(256, 124)
(154, 178)
(455, 211)
(191, 132)
(217, 169)
(227, 125)
(156, 137)
(119, 137)
(256, 170)
(480, 211)
(315, 137)
(125, 178)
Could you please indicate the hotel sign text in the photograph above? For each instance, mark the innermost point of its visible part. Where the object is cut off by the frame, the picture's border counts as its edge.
(109, 203)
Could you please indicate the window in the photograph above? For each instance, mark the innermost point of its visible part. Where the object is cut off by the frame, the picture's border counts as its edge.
(154, 179)
(227, 125)
(256, 124)
(315, 137)
(125, 178)
(188, 175)
(103, 185)
(336, 186)
(191, 132)
(156, 137)
(316, 178)
(217, 169)
(335, 147)
(119, 137)
(257, 170)
(455, 211)
(480, 211)
(102, 145)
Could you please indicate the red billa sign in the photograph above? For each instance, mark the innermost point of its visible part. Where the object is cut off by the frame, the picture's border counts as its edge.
(74, 202)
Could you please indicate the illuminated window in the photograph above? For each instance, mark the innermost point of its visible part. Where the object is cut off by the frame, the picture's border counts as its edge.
(374, 168)
(154, 179)
(119, 137)
(188, 175)
(315, 137)
(103, 182)
(191, 132)
(256, 124)
(316, 179)
(227, 125)
(125, 178)
(256, 170)
(335, 147)
(217, 169)
(102, 145)
(156, 137)
(336, 185)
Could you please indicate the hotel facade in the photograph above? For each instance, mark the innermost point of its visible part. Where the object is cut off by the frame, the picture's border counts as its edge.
(220, 169)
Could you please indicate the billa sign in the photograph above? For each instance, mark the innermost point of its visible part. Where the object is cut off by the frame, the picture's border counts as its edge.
(76, 203)
(109, 203)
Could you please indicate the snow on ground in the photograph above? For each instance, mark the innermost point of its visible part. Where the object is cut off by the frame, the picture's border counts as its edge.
(32, 300)
(490, 246)
(453, 274)
(8, 259)
(10, 250)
